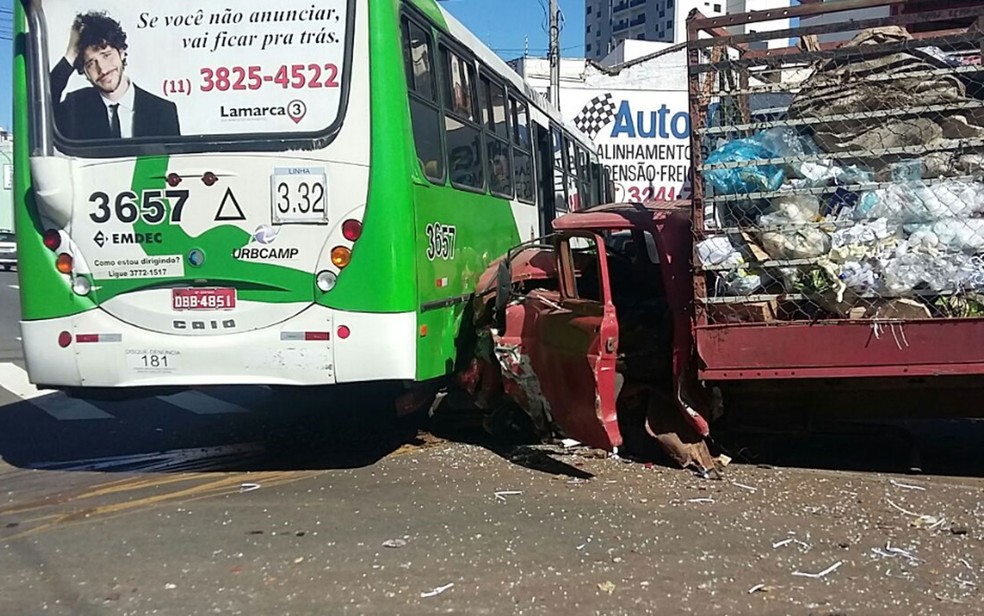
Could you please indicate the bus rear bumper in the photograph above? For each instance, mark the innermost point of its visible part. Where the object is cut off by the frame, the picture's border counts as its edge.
(307, 349)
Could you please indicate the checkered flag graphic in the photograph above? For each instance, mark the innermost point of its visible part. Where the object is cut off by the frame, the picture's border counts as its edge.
(596, 115)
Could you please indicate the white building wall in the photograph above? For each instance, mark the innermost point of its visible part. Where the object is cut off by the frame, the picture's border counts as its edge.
(637, 113)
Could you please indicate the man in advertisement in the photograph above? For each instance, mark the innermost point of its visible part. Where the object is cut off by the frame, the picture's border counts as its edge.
(114, 107)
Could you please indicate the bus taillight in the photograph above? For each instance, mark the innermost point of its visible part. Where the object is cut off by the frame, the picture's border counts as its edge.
(52, 239)
(64, 263)
(352, 229)
(64, 339)
(340, 256)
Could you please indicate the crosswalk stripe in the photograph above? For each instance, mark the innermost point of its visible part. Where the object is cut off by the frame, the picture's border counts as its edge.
(202, 404)
(14, 379)
(63, 408)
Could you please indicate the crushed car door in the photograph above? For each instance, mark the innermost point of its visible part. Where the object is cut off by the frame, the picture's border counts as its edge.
(575, 346)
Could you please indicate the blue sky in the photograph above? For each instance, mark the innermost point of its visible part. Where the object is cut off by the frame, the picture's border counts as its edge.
(6, 44)
(504, 25)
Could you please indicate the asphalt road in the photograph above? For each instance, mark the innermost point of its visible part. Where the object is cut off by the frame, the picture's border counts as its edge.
(240, 500)
(9, 315)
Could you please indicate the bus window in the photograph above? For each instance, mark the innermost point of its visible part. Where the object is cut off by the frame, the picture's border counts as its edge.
(424, 112)
(583, 178)
(498, 123)
(560, 175)
(500, 169)
(597, 194)
(522, 152)
(461, 126)
(459, 93)
(521, 136)
(500, 172)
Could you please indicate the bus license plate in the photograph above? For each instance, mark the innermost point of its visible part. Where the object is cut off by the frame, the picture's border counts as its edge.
(203, 299)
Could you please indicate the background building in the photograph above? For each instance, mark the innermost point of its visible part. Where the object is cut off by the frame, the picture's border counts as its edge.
(608, 23)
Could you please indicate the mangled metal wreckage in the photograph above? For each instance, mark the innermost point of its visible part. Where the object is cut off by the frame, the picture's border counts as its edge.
(587, 331)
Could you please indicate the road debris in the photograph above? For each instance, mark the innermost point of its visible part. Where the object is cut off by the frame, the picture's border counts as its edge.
(891, 552)
(906, 486)
(806, 546)
(569, 443)
(823, 573)
(929, 522)
(760, 588)
(248, 487)
(744, 487)
(395, 543)
(700, 500)
(436, 591)
(501, 495)
(170, 586)
(607, 586)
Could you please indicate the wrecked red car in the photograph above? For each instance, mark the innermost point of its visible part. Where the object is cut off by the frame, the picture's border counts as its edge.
(587, 331)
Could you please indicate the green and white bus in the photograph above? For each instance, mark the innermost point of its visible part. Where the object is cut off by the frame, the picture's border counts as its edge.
(288, 193)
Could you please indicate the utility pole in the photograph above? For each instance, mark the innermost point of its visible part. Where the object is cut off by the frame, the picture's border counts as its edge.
(554, 54)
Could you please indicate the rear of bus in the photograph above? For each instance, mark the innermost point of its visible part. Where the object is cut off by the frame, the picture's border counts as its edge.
(214, 227)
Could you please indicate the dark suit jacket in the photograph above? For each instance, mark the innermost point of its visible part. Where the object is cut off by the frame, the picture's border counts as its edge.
(82, 115)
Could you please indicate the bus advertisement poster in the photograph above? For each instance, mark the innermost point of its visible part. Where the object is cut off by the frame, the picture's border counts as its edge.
(123, 69)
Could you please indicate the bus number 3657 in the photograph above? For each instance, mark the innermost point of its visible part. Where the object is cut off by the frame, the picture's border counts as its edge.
(440, 241)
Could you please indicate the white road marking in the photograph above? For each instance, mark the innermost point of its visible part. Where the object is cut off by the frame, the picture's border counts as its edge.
(202, 404)
(14, 379)
(63, 408)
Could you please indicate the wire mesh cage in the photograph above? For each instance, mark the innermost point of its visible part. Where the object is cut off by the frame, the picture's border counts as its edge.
(838, 166)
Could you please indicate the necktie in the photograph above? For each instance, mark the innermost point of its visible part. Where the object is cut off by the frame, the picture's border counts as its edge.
(114, 121)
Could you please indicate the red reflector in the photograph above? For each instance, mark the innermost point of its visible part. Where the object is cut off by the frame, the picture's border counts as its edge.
(344, 332)
(64, 339)
(316, 335)
(173, 179)
(51, 239)
(209, 178)
(352, 230)
(83, 338)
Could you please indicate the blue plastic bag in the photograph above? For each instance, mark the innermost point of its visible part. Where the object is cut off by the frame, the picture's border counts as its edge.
(744, 180)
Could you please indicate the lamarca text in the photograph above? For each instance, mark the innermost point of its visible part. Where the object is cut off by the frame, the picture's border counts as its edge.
(252, 112)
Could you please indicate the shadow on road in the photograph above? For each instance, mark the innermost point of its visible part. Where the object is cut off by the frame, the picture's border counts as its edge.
(282, 431)
(318, 429)
(930, 446)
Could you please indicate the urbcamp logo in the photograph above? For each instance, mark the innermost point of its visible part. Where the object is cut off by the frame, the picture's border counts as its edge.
(630, 123)
(265, 234)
